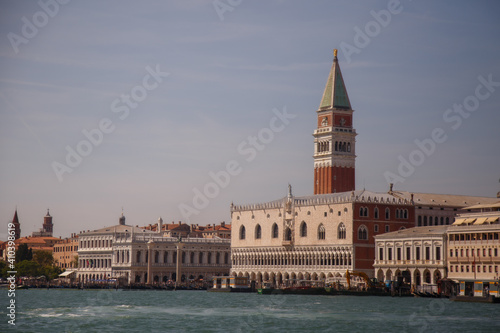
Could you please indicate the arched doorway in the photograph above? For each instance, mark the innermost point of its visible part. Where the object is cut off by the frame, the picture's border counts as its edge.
(380, 275)
(427, 276)
(418, 281)
(437, 276)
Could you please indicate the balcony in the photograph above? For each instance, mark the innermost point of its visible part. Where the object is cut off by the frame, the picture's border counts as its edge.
(322, 130)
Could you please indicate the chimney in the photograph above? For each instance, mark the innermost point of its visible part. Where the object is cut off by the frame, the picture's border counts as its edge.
(391, 185)
(222, 224)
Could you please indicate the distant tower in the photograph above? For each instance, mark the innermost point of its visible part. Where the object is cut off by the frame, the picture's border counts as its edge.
(335, 138)
(17, 226)
(47, 227)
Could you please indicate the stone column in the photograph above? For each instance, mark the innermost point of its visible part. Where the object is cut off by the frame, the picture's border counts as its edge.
(179, 263)
(150, 261)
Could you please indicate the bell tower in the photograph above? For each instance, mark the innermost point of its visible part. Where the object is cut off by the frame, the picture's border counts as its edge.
(335, 138)
(47, 224)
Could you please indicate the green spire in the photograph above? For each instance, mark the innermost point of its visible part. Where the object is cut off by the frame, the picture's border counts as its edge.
(335, 95)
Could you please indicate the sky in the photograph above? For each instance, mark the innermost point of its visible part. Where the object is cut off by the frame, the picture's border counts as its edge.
(178, 108)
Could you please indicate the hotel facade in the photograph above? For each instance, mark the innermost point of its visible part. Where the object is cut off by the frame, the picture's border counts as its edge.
(474, 251)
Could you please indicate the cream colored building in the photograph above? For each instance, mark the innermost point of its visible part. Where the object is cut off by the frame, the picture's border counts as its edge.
(474, 249)
(314, 237)
(132, 254)
(418, 255)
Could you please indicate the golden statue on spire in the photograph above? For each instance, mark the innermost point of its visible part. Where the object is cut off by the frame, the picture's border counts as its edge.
(335, 52)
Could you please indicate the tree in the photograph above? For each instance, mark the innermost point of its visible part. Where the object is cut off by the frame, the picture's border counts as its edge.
(23, 253)
(50, 272)
(43, 258)
(28, 268)
(3, 269)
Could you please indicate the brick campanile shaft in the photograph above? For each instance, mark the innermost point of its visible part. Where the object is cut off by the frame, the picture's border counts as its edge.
(335, 138)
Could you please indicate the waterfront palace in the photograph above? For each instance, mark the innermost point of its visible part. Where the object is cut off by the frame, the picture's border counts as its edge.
(137, 255)
(321, 236)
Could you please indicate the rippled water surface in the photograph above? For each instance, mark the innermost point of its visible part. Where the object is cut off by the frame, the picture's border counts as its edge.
(61, 310)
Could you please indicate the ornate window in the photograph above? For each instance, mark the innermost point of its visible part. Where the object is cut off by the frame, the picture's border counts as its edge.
(363, 211)
(387, 213)
(242, 232)
(321, 231)
(341, 232)
(303, 229)
(258, 232)
(274, 231)
(288, 234)
(375, 213)
(362, 233)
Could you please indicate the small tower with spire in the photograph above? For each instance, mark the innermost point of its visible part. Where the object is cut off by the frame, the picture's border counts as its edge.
(17, 226)
(335, 138)
(47, 227)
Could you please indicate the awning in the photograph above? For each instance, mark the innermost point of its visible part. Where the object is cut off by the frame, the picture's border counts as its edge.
(66, 274)
(459, 221)
(469, 221)
(481, 220)
(492, 219)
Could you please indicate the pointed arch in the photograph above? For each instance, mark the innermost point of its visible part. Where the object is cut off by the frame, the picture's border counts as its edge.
(321, 231)
(274, 231)
(303, 229)
(362, 232)
(258, 231)
(341, 231)
(242, 232)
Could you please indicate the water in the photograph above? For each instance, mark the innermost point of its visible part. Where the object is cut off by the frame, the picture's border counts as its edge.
(64, 310)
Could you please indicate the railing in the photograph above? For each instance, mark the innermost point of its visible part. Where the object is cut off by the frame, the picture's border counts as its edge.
(476, 242)
(409, 262)
(322, 130)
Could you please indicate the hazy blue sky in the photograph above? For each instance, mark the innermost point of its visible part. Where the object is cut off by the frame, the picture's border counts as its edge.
(69, 69)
